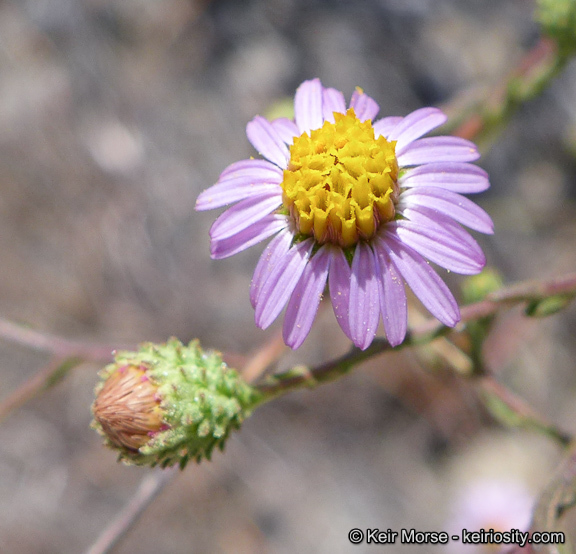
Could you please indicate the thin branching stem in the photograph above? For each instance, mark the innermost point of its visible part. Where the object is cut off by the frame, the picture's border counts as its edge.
(53, 344)
(519, 293)
(48, 376)
(485, 118)
(150, 487)
(65, 354)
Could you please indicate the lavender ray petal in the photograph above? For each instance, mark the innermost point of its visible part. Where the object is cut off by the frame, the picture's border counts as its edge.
(233, 190)
(451, 204)
(332, 101)
(249, 237)
(240, 216)
(427, 218)
(305, 299)
(386, 125)
(393, 303)
(253, 169)
(415, 125)
(364, 301)
(251, 176)
(277, 248)
(286, 129)
(438, 149)
(424, 282)
(457, 177)
(364, 106)
(440, 247)
(339, 285)
(267, 142)
(283, 278)
(308, 106)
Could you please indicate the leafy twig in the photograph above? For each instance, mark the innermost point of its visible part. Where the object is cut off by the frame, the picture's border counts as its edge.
(520, 293)
(483, 120)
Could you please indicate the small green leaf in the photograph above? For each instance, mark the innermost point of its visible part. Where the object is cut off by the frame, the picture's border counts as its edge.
(548, 306)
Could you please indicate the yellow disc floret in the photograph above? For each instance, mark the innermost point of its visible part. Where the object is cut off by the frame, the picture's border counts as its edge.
(341, 181)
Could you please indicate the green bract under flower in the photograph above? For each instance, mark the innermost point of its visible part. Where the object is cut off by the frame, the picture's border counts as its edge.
(169, 403)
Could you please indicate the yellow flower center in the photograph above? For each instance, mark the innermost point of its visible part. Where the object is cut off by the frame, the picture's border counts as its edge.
(341, 181)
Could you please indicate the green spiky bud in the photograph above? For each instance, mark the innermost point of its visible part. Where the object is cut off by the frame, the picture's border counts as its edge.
(558, 19)
(169, 403)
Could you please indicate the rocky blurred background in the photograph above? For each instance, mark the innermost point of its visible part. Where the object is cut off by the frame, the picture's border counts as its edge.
(114, 115)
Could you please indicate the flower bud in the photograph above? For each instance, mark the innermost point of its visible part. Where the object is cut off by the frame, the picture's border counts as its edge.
(169, 403)
(127, 407)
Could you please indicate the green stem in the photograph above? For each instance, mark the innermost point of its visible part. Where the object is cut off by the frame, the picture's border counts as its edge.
(302, 377)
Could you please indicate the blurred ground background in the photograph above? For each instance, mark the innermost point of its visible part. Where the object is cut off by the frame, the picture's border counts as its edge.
(114, 115)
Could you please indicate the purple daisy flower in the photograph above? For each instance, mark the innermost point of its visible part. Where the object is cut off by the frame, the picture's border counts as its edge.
(357, 205)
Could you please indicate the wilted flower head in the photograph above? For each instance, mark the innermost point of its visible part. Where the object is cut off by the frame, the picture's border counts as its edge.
(353, 203)
(169, 403)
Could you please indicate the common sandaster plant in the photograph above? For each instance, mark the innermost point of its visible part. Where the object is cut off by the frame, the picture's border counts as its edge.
(355, 204)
